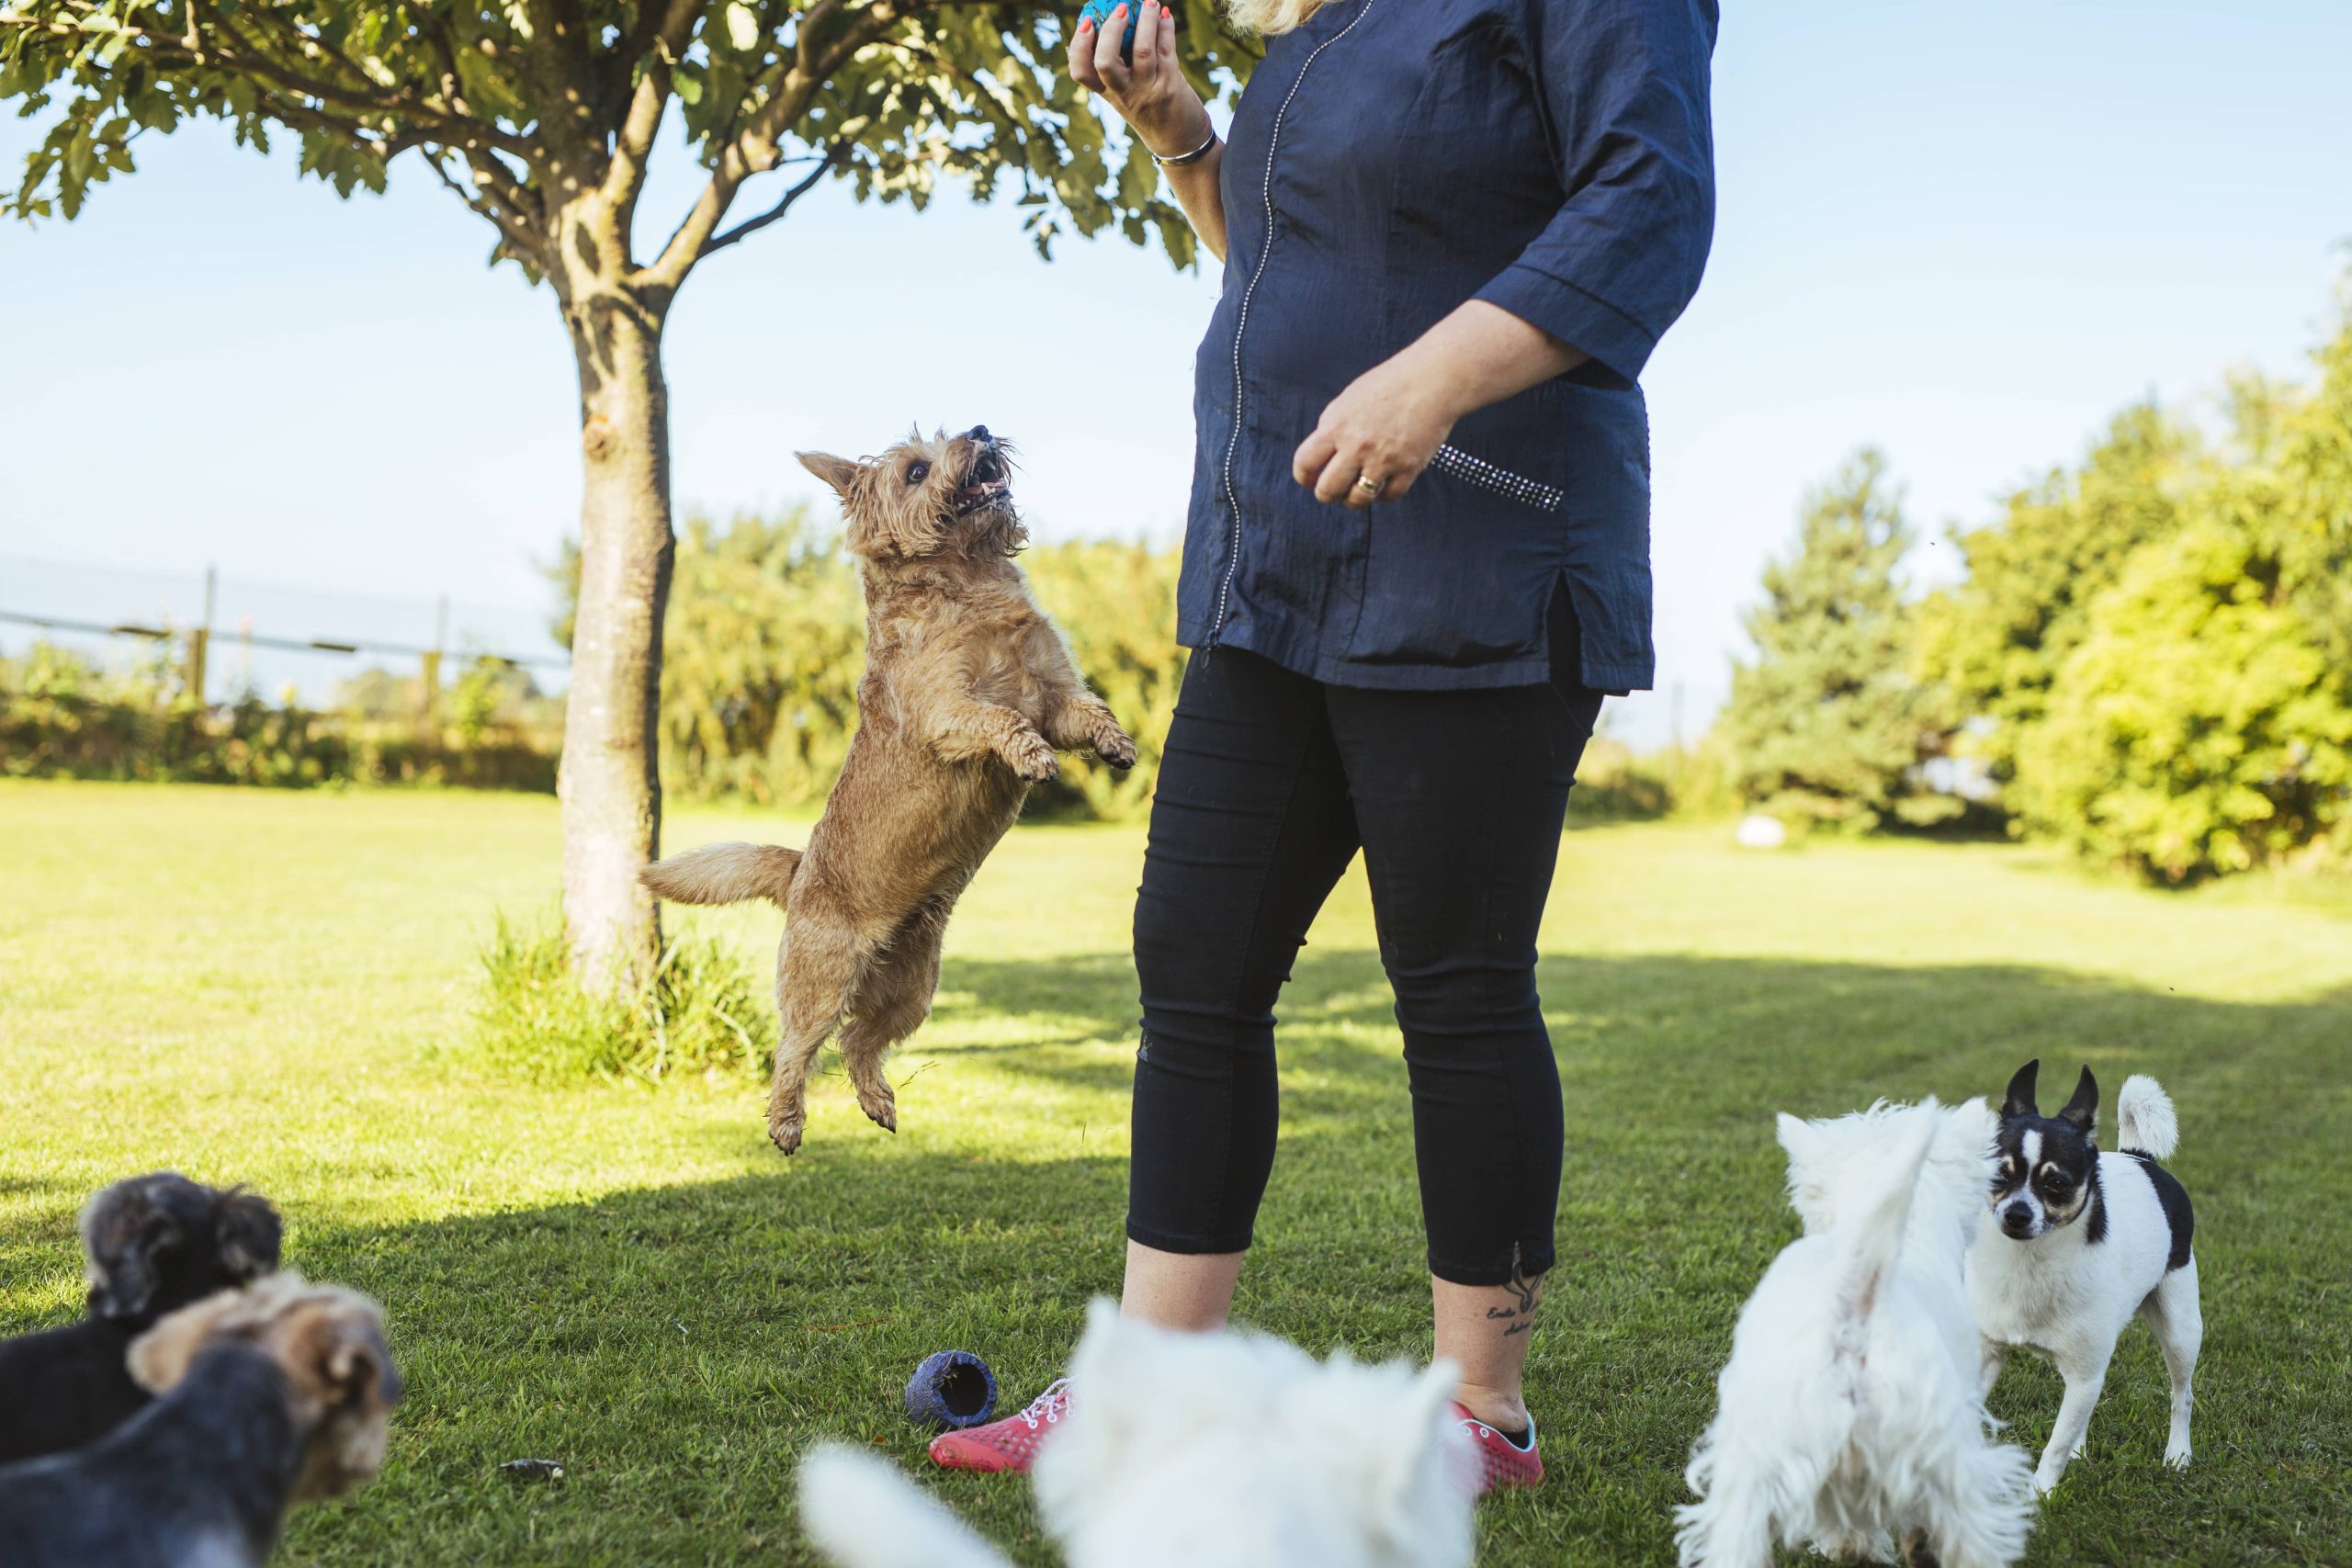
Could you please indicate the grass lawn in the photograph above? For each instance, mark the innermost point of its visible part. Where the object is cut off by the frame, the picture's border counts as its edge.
(253, 986)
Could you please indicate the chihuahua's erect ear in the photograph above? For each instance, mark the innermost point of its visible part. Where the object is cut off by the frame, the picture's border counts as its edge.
(838, 472)
(248, 1233)
(2082, 1111)
(2018, 1101)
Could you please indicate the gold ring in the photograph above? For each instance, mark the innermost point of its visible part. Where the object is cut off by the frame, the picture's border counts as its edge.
(1369, 485)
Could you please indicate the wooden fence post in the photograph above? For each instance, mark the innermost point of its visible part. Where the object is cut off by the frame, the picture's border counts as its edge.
(200, 640)
(429, 678)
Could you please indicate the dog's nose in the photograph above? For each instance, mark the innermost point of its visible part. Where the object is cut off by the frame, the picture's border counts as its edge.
(2017, 1219)
(980, 432)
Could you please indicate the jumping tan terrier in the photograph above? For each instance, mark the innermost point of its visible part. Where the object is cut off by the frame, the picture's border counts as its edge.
(969, 692)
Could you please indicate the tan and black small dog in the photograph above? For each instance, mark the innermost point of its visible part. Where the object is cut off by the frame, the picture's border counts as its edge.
(265, 1397)
(969, 692)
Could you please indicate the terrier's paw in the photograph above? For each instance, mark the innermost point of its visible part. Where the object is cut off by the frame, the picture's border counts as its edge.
(1111, 744)
(2177, 1456)
(1033, 759)
(880, 1105)
(785, 1123)
(2045, 1481)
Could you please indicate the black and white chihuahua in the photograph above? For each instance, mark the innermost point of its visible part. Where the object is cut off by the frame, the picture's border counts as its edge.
(2085, 1240)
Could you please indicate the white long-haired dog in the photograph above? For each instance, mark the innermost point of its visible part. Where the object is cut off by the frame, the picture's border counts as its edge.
(1849, 1413)
(1196, 1450)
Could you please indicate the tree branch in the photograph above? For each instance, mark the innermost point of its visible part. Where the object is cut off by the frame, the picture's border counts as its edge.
(832, 155)
(521, 237)
(755, 151)
(673, 29)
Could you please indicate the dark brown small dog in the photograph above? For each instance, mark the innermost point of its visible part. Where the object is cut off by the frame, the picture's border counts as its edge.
(969, 691)
(152, 1244)
(265, 1397)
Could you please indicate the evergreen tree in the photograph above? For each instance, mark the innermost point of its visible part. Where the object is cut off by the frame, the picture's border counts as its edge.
(1829, 724)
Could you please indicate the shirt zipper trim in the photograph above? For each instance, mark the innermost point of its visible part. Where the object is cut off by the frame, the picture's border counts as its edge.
(1241, 321)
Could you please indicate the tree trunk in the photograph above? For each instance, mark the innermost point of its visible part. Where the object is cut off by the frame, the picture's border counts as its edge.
(610, 780)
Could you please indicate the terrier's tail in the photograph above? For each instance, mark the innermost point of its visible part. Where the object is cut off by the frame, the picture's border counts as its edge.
(724, 874)
(863, 1512)
(2145, 1122)
(1870, 1239)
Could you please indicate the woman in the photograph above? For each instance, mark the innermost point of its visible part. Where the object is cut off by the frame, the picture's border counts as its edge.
(1417, 558)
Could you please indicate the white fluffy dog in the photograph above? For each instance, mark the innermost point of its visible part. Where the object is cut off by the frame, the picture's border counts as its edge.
(1196, 1450)
(1849, 1411)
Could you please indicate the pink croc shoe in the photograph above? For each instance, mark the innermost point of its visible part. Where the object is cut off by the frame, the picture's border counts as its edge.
(1501, 1462)
(1007, 1445)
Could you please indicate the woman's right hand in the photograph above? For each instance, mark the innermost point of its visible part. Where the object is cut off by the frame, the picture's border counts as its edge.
(1152, 94)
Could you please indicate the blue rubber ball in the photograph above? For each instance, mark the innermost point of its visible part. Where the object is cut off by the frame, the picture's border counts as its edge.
(953, 1388)
(1100, 10)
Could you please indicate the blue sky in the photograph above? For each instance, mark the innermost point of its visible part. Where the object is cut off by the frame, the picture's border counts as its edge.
(1966, 232)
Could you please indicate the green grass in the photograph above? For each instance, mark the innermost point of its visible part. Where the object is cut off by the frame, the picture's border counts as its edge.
(255, 986)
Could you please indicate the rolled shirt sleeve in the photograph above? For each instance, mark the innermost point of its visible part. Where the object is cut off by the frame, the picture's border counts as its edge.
(1625, 83)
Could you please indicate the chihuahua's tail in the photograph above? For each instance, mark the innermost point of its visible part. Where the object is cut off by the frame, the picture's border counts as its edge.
(1872, 1239)
(2145, 1122)
(724, 874)
(863, 1512)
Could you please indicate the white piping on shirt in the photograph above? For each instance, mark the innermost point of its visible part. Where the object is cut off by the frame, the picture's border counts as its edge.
(1241, 321)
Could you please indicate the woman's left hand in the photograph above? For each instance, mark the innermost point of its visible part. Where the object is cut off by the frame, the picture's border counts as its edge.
(1386, 427)
(1375, 438)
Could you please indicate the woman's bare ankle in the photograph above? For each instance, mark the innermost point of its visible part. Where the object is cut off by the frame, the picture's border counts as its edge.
(1503, 1409)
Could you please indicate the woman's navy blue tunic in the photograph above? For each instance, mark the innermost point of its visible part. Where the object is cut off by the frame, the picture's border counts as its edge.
(1389, 161)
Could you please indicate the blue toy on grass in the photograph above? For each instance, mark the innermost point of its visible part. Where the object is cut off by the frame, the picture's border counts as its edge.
(1099, 11)
(953, 1388)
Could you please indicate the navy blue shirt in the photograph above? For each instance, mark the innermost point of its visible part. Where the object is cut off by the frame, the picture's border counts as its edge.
(1389, 161)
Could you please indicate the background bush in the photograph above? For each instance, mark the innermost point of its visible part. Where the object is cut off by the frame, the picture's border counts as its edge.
(2198, 729)
(64, 716)
(2149, 659)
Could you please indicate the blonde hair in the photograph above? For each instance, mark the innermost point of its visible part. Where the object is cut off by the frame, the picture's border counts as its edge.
(1270, 17)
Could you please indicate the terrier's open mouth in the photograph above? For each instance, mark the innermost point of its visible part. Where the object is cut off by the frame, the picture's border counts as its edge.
(988, 485)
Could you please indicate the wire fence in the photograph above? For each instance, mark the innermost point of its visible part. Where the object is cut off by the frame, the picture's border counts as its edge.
(229, 637)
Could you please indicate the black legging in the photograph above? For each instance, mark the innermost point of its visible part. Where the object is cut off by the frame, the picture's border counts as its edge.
(1269, 785)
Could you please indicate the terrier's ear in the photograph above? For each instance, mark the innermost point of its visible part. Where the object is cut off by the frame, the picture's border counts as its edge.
(248, 1233)
(2082, 1111)
(837, 472)
(356, 1363)
(334, 1354)
(2018, 1101)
